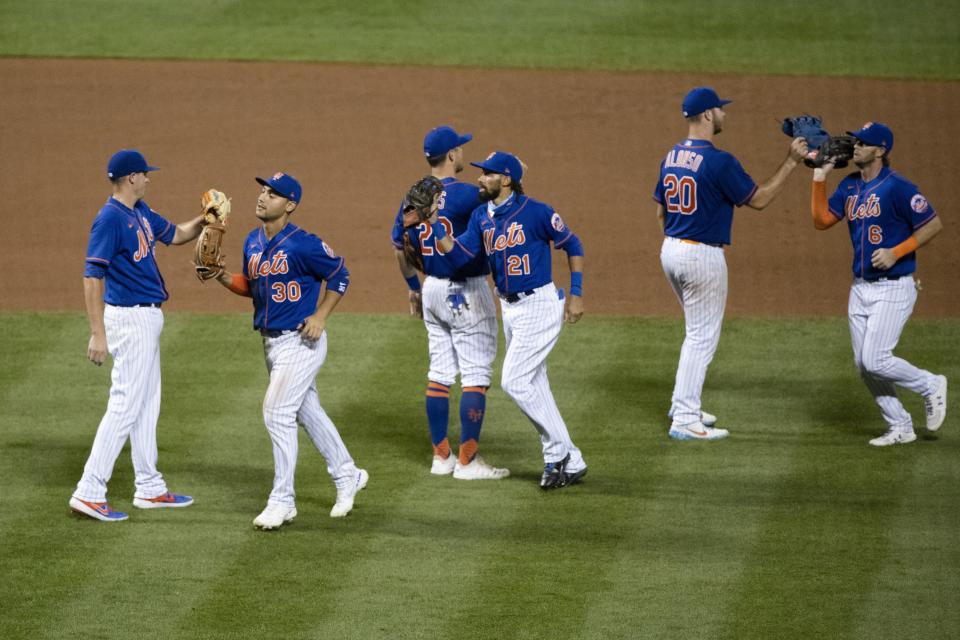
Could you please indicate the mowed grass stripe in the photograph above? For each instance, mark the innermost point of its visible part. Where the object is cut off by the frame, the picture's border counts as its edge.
(306, 561)
(659, 527)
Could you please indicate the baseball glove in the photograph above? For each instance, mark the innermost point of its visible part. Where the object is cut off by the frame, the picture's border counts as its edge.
(215, 206)
(412, 252)
(823, 147)
(208, 254)
(419, 200)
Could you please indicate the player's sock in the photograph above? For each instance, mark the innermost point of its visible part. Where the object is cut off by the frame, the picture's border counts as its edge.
(438, 413)
(443, 449)
(473, 404)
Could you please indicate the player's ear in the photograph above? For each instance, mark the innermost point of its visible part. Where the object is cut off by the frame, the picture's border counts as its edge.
(291, 205)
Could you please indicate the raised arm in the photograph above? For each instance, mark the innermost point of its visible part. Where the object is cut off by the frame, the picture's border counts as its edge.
(769, 190)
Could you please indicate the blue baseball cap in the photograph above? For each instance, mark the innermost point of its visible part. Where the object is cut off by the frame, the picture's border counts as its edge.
(442, 139)
(285, 185)
(125, 162)
(503, 163)
(700, 99)
(874, 134)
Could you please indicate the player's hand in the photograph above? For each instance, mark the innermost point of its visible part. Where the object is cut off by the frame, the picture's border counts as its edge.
(416, 304)
(883, 259)
(820, 173)
(312, 328)
(97, 349)
(574, 309)
(798, 149)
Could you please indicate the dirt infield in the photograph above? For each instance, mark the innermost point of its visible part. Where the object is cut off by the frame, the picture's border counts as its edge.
(352, 135)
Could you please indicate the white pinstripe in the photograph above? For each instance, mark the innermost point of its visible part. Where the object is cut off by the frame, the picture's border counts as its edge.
(293, 364)
(877, 312)
(698, 275)
(466, 343)
(133, 339)
(532, 326)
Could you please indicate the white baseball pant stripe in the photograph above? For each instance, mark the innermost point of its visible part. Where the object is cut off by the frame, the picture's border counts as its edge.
(293, 364)
(133, 339)
(698, 275)
(465, 343)
(877, 312)
(532, 326)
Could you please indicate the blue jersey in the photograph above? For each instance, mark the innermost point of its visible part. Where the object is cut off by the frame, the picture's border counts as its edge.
(457, 202)
(515, 238)
(699, 186)
(121, 250)
(880, 214)
(285, 276)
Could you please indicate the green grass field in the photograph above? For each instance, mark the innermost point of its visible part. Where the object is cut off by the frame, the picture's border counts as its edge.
(884, 38)
(792, 528)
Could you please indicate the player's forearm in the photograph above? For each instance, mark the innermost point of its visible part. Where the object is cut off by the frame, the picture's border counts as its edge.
(406, 268)
(187, 231)
(926, 233)
(822, 218)
(770, 189)
(327, 304)
(660, 218)
(93, 298)
(576, 275)
(235, 282)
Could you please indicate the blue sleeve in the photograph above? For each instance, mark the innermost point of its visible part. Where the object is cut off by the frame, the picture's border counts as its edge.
(467, 245)
(913, 206)
(658, 190)
(396, 235)
(553, 228)
(103, 245)
(163, 229)
(836, 204)
(324, 264)
(735, 184)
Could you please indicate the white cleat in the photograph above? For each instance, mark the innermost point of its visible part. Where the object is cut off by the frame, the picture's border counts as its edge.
(936, 404)
(697, 431)
(443, 466)
(345, 495)
(274, 516)
(478, 469)
(707, 419)
(894, 436)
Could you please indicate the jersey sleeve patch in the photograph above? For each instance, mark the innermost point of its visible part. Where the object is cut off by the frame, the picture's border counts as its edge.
(557, 223)
(919, 204)
(327, 248)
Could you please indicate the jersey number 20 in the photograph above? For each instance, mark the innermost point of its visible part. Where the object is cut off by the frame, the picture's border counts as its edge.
(426, 232)
(680, 194)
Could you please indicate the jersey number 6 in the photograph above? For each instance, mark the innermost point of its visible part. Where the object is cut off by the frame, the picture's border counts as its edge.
(680, 194)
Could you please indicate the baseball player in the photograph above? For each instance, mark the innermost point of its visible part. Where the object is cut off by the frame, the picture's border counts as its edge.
(698, 188)
(123, 291)
(513, 232)
(458, 310)
(888, 219)
(283, 269)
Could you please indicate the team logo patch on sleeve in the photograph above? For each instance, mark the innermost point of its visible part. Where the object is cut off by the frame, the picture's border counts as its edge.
(327, 248)
(918, 203)
(557, 222)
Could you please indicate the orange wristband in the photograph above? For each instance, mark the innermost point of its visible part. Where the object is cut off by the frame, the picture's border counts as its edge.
(239, 285)
(907, 246)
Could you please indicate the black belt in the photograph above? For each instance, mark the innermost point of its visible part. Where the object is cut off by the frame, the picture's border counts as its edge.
(515, 297)
(155, 305)
(883, 278)
(275, 333)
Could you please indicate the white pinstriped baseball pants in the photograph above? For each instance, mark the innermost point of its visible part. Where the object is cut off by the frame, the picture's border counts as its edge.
(133, 339)
(466, 343)
(293, 364)
(877, 312)
(698, 275)
(532, 326)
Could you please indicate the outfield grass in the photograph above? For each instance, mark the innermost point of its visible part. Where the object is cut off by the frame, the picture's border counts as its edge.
(792, 528)
(883, 38)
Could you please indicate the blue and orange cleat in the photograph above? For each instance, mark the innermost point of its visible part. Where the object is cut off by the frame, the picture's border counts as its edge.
(97, 510)
(167, 500)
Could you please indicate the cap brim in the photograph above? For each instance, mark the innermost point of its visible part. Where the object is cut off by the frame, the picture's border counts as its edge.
(480, 165)
(149, 168)
(724, 102)
(464, 139)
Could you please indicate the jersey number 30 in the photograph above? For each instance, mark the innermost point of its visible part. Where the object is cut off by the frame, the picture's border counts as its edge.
(680, 194)
(283, 291)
